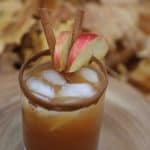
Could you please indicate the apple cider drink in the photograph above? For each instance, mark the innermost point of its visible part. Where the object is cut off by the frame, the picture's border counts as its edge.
(63, 97)
(63, 129)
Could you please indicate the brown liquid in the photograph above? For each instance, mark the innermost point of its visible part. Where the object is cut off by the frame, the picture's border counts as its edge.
(72, 130)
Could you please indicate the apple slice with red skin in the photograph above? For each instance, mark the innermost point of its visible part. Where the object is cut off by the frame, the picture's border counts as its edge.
(84, 47)
(60, 55)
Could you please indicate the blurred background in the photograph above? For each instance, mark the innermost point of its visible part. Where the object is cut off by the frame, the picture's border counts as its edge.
(124, 23)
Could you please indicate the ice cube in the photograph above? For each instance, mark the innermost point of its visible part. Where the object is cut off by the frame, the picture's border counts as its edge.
(54, 77)
(77, 90)
(89, 74)
(39, 87)
(63, 119)
(44, 112)
(39, 95)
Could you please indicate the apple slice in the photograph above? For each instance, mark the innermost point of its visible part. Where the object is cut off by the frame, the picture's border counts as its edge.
(61, 51)
(86, 46)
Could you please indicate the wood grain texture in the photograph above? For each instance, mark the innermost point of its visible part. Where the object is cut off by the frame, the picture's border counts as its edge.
(9, 88)
(126, 118)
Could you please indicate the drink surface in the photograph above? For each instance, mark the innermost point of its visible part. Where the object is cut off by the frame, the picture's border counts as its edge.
(48, 129)
(50, 84)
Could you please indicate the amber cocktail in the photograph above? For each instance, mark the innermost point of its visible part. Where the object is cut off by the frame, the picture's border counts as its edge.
(61, 111)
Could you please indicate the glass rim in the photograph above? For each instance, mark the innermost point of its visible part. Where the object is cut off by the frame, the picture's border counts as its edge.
(56, 106)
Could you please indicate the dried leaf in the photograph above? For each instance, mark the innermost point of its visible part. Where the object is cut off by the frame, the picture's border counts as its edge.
(8, 60)
(66, 26)
(17, 21)
(110, 21)
(140, 77)
(145, 52)
(120, 2)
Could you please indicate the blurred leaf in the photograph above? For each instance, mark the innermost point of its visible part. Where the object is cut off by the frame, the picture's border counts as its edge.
(66, 26)
(110, 21)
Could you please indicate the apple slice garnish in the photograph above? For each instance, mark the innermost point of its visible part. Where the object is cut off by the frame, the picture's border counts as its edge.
(61, 51)
(85, 46)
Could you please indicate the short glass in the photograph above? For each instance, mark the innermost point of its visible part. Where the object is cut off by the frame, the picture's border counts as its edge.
(60, 126)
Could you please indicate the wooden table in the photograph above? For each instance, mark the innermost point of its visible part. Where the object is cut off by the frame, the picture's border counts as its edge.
(8, 87)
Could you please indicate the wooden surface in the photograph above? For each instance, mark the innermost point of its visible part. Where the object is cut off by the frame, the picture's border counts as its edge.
(8, 87)
(126, 117)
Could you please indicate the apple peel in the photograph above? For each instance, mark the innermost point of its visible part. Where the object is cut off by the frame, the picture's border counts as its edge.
(84, 48)
(60, 55)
